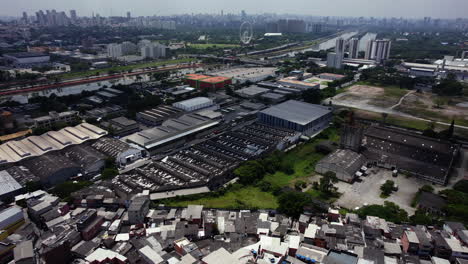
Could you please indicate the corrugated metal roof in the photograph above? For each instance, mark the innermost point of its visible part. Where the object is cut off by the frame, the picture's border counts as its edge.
(14, 151)
(7, 183)
(297, 112)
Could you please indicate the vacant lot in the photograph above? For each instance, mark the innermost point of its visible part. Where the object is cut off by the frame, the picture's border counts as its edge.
(366, 96)
(434, 107)
(247, 197)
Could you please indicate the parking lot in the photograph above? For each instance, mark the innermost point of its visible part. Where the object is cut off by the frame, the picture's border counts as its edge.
(203, 161)
(368, 190)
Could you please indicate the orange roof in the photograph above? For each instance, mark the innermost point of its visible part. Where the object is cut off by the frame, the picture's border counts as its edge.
(196, 76)
(216, 79)
(15, 135)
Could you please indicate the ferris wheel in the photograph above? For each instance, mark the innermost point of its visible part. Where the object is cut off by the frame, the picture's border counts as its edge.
(246, 33)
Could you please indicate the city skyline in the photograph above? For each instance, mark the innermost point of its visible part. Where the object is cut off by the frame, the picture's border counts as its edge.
(379, 8)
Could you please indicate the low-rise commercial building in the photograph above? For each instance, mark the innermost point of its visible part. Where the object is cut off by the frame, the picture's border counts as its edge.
(11, 219)
(344, 163)
(138, 209)
(122, 152)
(55, 118)
(25, 59)
(251, 91)
(121, 126)
(301, 85)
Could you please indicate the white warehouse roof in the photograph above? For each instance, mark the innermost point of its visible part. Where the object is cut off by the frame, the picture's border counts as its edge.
(193, 103)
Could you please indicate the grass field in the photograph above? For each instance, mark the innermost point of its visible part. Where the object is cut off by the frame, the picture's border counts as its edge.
(303, 160)
(72, 75)
(247, 197)
(213, 45)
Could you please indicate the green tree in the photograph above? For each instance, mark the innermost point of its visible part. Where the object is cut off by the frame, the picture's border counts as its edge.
(292, 203)
(387, 188)
(327, 181)
(449, 86)
(421, 218)
(250, 172)
(389, 211)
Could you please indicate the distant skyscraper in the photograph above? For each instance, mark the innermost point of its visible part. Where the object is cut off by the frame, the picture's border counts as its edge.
(378, 50)
(354, 48)
(243, 14)
(25, 17)
(73, 15)
(129, 15)
(317, 28)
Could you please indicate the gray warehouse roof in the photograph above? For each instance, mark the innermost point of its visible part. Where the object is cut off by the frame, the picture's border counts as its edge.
(170, 130)
(7, 183)
(297, 112)
(48, 164)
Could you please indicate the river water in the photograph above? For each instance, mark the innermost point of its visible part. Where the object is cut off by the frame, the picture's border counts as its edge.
(77, 89)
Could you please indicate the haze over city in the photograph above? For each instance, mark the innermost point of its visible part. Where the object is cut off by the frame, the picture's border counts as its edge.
(234, 132)
(376, 8)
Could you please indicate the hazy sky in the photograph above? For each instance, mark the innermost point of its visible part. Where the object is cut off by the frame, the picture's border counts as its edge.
(377, 8)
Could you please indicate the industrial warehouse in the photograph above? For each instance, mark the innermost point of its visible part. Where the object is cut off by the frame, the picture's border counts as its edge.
(426, 158)
(206, 163)
(299, 116)
(171, 133)
(14, 151)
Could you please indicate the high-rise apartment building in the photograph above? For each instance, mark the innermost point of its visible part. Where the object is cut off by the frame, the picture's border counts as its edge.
(353, 48)
(340, 45)
(153, 51)
(378, 50)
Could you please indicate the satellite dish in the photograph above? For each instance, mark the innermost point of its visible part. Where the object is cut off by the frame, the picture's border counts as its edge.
(246, 33)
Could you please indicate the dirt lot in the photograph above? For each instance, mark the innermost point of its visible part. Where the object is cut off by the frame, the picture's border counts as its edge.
(370, 96)
(430, 106)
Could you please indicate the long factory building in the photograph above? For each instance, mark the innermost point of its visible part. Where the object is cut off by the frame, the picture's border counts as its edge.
(15, 151)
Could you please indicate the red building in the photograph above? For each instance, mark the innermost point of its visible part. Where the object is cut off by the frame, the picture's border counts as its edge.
(207, 82)
(92, 229)
(193, 79)
(214, 83)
